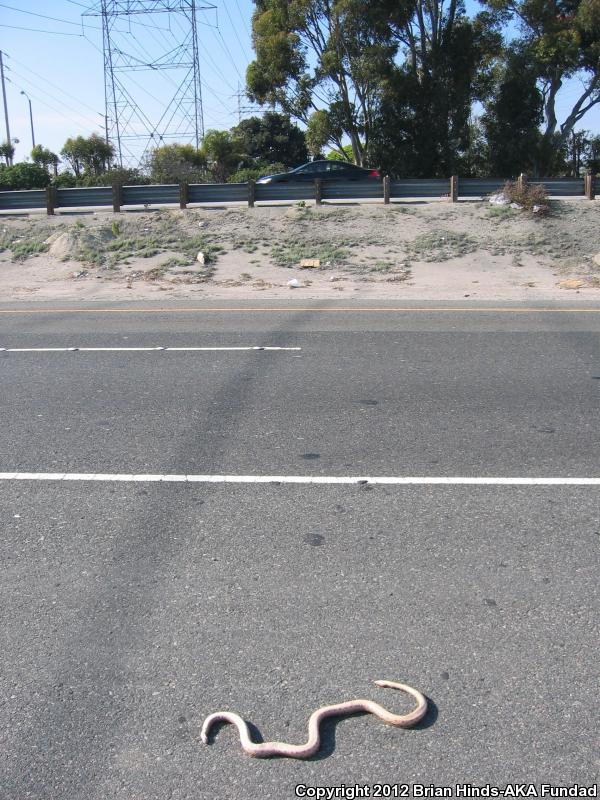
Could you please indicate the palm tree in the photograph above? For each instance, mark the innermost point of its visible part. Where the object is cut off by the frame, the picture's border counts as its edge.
(7, 152)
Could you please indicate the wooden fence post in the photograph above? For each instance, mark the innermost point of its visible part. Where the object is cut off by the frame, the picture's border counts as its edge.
(454, 188)
(183, 194)
(318, 191)
(117, 196)
(589, 186)
(522, 181)
(386, 189)
(50, 200)
(251, 193)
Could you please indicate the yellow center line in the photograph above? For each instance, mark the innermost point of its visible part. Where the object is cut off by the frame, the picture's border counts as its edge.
(253, 310)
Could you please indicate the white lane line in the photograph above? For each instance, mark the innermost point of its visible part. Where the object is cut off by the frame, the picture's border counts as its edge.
(297, 479)
(136, 349)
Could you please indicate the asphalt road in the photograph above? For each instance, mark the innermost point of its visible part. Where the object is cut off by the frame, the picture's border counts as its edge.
(131, 610)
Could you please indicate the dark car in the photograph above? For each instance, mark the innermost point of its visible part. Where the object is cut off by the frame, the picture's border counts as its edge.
(326, 170)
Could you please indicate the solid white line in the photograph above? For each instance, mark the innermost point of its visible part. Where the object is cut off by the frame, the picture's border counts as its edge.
(134, 349)
(298, 479)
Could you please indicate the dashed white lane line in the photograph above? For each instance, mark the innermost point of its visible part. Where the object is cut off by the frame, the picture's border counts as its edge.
(135, 349)
(299, 479)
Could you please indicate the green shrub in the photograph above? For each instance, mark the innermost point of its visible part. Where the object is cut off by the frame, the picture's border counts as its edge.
(66, 180)
(253, 173)
(126, 177)
(26, 248)
(23, 176)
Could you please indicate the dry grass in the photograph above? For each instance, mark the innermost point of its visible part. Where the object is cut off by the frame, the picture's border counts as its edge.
(527, 196)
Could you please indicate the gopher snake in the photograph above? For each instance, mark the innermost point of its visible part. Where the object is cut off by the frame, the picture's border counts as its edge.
(267, 749)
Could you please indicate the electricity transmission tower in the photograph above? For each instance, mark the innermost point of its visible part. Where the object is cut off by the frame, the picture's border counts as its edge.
(251, 108)
(152, 88)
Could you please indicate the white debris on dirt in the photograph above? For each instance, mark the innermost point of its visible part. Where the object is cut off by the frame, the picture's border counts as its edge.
(516, 206)
(499, 199)
(200, 258)
(294, 283)
(596, 259)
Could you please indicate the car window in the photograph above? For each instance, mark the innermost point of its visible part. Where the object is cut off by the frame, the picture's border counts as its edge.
(333, 167)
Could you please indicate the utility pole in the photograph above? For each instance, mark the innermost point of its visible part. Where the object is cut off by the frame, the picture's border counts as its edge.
(5, 105)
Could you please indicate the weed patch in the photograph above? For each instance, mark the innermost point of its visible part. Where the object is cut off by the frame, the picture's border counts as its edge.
(164, 236)
(26, 248)
(441, 245)
(22, 244)
(290, 253)
(501, 213)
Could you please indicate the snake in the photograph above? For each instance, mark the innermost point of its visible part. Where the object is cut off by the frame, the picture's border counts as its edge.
(285, 750)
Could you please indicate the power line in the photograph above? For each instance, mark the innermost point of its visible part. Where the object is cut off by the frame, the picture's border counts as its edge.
(43, 16)
(137, 22)
(39, 30)
(62, 21)
(226, 50)
(48, 81)
(242, 47)
(59, 100)
(60, 110)
(245, 24)
(218, 97)
(210, 58)
(223, 45)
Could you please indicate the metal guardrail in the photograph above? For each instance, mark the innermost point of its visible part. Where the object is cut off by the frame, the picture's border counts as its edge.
(208, 193)
(23, 199)
(420, 187)
(560, 187)
(82, 196)
(284, 191)
(158, 194)
(217, 192)
(479, 187)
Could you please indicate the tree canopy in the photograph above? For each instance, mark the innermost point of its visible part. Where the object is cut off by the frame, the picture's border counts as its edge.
(272, 138)
(45, 158)
(90, 156)
(173, 163)
(399, 79)
(560, 40)
(327, 58)
(7, 151)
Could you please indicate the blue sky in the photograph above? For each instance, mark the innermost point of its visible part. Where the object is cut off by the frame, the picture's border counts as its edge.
(60, 67)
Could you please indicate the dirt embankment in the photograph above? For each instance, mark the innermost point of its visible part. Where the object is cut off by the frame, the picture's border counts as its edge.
(420, 251)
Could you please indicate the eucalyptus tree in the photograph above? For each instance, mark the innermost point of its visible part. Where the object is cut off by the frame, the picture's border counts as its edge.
(324, 62)
(562, 42)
